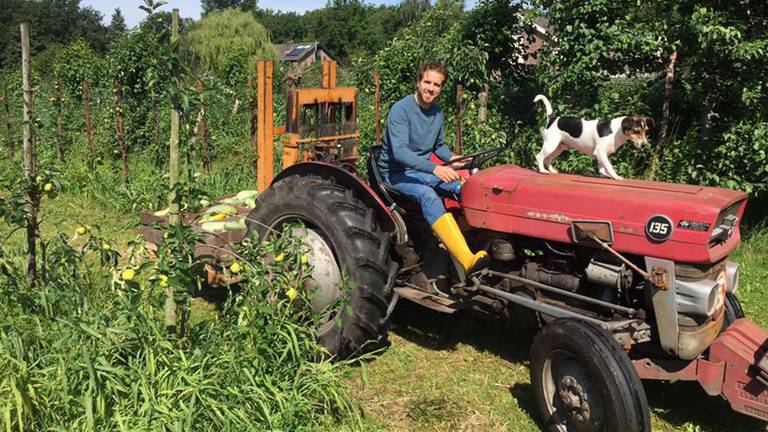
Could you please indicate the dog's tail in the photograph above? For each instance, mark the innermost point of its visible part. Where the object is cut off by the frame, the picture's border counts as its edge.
(547, 105)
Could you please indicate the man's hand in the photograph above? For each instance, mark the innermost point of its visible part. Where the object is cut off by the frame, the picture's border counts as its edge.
(446, 174)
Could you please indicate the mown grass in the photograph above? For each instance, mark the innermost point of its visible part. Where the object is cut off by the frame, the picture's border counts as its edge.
(458, 373)
(438, 373)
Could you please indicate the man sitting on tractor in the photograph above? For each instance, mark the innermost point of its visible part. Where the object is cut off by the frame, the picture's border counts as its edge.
(415, 131)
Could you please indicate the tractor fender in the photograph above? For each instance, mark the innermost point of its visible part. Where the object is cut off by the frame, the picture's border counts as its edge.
(388, 220)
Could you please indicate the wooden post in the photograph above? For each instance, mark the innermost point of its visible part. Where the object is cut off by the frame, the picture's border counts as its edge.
(202, 133)
(30, 158)
(376, 80)
(459, 92)
(482, 112)
(8, 128)
(254, 139)
(668, 87)
(173, 202)
(59, 124)
(265, 162)
(88, 118)
(173, 205)
(121, 130)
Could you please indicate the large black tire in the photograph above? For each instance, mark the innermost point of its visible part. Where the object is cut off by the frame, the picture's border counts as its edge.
(583, 381)
(733, 310)
(358, 244)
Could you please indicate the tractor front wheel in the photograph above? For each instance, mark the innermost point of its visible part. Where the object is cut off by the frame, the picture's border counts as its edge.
(343, 237)
(583, 381)
(733, 311)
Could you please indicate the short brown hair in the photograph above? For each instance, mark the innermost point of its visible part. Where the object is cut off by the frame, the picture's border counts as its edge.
(433, 65)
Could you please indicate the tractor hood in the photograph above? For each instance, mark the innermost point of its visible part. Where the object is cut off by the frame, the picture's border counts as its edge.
(684, 223)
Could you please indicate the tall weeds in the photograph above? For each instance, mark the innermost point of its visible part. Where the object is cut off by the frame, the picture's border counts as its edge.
(88, 351)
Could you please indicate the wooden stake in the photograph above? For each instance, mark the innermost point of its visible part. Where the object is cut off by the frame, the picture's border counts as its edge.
(459, 92)
(173, 202)
(8, 128)
(482, 112)
(251, 114)
(121, 130)
(59, 125)
(202, 133)
(173, 205)
(30, 158)
(668, 88)
(88, 118)
(376, 80)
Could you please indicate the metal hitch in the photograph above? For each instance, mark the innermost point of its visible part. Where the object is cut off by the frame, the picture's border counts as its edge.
(737, 368)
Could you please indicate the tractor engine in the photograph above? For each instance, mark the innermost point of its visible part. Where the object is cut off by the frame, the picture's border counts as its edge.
(613, 250)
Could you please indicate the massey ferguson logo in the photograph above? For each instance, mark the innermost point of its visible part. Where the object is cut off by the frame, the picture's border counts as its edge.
(659, 228)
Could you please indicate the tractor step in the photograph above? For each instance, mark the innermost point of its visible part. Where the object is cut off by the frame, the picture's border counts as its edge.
(440, 304)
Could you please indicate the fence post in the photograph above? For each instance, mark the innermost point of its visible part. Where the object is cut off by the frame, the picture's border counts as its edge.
(251, 114)
(173, 203)
(88, 119)
(482, 112)
(202, 132)
(30, 158)
(376, 80)
(459, 93)
(59, 126)
(121, 130)
(9, 138)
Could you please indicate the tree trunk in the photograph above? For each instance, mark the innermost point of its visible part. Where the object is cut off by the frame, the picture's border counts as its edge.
(251, 113)
(30, 159)
(668, 87)
(459, 92)
(173, 168)
(121, 131)
(482, 112)
(8, 128)
(377, 80)
(88, 118)
(59, 124)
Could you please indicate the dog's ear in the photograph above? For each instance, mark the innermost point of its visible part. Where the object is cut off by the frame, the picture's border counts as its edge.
(627, 123)
(649, 121)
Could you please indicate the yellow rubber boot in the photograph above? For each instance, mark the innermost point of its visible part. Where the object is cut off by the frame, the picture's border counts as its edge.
(449, 233)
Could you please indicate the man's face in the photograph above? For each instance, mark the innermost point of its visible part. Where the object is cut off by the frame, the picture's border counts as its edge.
(430, 86)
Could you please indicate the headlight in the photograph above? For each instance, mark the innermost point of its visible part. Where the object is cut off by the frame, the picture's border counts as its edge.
(716, 296)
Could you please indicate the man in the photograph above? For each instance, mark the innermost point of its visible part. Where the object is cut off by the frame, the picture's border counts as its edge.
(414, 132)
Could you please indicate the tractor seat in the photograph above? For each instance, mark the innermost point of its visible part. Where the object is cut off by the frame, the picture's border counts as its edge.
(388, 195)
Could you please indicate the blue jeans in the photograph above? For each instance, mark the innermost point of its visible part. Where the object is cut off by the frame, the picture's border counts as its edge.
(424, 189)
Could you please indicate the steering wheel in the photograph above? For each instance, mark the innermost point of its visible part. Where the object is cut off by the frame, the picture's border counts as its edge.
(478, 158)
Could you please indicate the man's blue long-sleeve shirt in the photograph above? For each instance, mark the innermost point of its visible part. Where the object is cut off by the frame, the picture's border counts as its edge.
(412, 135)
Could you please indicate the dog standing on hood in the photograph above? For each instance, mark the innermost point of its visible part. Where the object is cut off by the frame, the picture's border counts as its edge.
(597, 138)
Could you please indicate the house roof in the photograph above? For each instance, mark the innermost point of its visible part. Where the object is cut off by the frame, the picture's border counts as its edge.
(296, 52)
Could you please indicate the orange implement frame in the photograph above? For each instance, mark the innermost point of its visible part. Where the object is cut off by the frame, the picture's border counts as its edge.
(321, 124)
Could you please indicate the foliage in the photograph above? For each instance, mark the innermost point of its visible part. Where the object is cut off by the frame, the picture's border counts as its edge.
(218, 5)
(53, 23)
(86, 351)
(223, 36)
(718, 86)
(75, 63)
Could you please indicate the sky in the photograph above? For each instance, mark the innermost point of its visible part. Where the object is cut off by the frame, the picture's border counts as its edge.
(191, 8)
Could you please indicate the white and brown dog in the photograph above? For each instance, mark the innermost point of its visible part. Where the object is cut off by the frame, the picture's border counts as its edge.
(597, 138)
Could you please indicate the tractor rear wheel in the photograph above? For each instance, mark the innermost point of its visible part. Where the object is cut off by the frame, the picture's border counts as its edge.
(343, 236)
(583, 381)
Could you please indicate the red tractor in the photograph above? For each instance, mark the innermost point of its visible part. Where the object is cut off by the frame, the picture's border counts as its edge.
(627, 280)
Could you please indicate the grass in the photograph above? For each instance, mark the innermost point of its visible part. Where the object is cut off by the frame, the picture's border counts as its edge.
(441, 372)
(457, 373)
